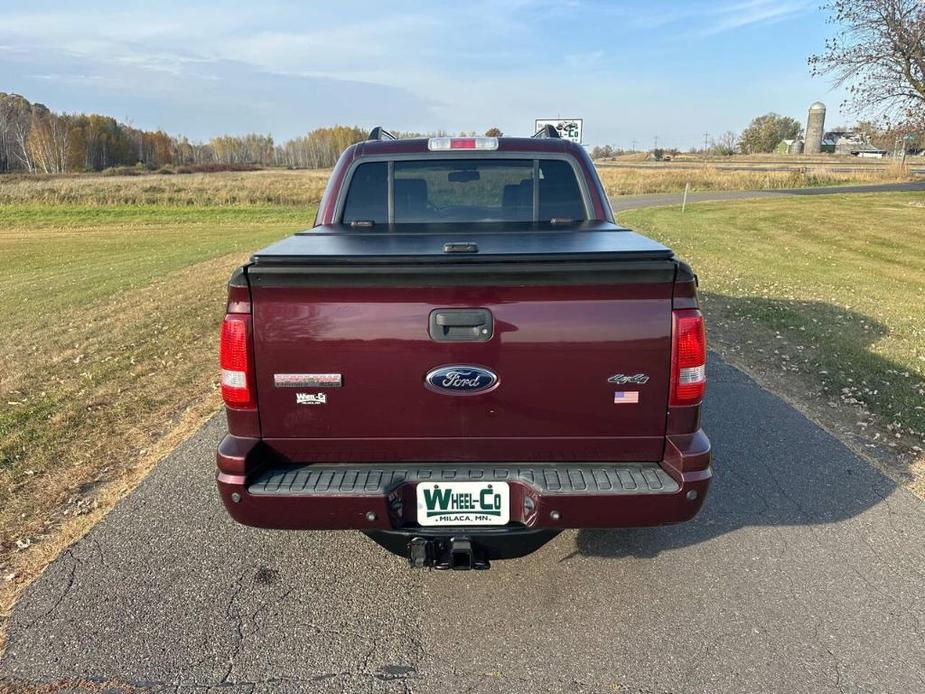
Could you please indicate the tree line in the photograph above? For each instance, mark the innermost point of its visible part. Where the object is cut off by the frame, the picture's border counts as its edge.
(35, 139)
(764, 134)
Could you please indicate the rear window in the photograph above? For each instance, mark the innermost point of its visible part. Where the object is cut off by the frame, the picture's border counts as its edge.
(465, 190)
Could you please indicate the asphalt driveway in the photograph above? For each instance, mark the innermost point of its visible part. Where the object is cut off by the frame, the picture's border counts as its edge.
(805, 572)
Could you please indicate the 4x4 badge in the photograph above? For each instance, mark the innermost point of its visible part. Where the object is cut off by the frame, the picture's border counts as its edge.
(623, 378)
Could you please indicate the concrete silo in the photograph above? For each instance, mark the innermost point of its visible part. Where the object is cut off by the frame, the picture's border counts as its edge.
(815, 129)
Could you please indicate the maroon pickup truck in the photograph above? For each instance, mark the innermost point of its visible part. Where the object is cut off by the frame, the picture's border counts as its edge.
(463, 357)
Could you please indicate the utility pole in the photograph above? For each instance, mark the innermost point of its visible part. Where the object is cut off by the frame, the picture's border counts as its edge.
(706, 137)
(906, 142)
(634, 145)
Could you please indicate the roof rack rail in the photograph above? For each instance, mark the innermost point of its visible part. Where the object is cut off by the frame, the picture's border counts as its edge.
(547, 131)
(380, 133)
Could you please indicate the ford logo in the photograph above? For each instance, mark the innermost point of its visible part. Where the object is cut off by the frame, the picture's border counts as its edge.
(461, 380)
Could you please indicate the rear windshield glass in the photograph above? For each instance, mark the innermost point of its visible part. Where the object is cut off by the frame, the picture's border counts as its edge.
(465, 190)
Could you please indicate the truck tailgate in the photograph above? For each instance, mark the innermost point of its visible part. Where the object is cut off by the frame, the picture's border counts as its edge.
(563, 324)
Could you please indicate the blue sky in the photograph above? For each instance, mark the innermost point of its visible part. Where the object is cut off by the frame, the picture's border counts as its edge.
(632, 70)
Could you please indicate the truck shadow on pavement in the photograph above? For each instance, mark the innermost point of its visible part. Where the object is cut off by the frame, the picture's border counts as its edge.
(772, 465)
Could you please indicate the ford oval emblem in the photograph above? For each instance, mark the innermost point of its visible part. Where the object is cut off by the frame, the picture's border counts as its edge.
(461, 380)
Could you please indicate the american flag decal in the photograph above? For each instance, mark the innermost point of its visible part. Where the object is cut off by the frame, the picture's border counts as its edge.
(626, 397)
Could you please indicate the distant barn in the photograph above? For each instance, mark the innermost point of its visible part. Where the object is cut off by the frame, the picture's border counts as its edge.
(789, 147)
(850, 143)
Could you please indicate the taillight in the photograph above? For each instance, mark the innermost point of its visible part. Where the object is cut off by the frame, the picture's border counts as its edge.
(234, 357)
(688, 357)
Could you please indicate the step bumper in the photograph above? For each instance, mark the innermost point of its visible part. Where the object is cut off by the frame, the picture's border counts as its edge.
(375, 496)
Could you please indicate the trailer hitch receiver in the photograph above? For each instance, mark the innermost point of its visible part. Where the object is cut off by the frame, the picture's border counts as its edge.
(458, 553)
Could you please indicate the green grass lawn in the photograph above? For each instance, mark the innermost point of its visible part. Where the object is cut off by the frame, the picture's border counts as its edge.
(60, 259)
(823, 294)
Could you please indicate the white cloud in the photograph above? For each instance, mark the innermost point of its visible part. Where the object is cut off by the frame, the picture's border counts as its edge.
(740, 15)
(708, 18)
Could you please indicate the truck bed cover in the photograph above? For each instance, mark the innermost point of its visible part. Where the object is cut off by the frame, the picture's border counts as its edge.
(339, 244)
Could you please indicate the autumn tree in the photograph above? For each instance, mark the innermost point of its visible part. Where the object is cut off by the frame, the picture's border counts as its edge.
(320, 148)
(243, 149)
(879, 54)
(47, 141)
(413, 134)
(493, 132)
(726, 144)
(15, 121)
(158, 148)
(765, 132)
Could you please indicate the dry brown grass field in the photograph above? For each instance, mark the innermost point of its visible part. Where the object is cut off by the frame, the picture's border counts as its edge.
(273, 187)
(664, 178)
(280, 187)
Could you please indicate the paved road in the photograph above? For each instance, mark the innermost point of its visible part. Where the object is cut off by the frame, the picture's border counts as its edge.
(804, 573)
(632, 202)
(676, 165)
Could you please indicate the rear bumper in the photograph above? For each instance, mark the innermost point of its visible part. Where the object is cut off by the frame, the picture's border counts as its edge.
(260, 490)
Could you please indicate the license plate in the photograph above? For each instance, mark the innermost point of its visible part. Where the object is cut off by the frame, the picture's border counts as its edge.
(463, 503)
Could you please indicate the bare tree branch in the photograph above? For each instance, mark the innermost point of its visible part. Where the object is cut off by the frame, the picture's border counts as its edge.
(879, 54)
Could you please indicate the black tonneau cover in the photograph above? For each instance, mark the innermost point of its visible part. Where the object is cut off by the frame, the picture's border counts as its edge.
(341, 245)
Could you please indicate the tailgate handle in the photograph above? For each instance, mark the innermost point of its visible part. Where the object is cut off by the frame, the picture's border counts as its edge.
(461, 325)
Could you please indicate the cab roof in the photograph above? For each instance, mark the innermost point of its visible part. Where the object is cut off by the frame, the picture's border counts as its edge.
(527, 145)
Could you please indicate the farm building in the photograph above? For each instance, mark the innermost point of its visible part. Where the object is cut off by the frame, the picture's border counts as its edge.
(830, 140)
(789, 147)
(849, 143)
(842, 142)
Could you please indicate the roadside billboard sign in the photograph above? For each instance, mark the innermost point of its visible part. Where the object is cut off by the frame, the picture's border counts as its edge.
(568, 128)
